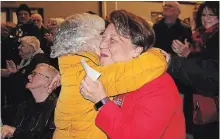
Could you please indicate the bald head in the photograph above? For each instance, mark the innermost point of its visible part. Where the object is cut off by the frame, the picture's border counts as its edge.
(171, 9)
(37, 19)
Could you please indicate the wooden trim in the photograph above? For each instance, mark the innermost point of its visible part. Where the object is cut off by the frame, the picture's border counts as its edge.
(100, 8)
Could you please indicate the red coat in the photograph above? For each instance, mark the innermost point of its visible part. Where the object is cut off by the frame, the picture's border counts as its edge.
(153, 111)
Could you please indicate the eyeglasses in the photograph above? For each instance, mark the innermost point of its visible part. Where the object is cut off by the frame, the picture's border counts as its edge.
(209, 15)
(34, 73)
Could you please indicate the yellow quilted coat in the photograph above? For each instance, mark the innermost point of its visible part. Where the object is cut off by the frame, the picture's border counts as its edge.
(75, 116)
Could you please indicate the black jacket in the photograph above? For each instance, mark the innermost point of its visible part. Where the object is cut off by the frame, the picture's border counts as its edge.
(18, 80)
(35, 120)
(165, 35)
(199, 70)
(200, 74)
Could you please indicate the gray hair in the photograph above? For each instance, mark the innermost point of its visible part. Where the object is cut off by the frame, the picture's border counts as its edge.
(78, 33)
(31, 41)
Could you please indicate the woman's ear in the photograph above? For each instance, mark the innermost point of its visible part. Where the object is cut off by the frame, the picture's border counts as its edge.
(31, 50)
(137, 51)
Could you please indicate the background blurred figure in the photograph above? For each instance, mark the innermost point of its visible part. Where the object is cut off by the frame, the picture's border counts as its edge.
(54, 22)
(25, 27)
(186, 21)
(52, 26)
(37, 19)
(200, 70)
(171, 25)
(31, 54)
(6, 53)
(34, 118)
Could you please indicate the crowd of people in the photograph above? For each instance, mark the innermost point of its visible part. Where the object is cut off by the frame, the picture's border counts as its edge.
(157, 81)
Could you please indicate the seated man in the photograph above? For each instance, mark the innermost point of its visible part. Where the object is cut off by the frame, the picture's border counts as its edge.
(34, 119)
(79, 37)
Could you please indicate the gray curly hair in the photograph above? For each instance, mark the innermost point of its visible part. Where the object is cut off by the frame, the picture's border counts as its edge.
(79, 32)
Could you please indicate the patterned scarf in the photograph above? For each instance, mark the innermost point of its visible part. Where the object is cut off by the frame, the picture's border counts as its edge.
(201, 37)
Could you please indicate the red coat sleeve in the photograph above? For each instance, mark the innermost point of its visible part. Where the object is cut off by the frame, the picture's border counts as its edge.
(149, 119)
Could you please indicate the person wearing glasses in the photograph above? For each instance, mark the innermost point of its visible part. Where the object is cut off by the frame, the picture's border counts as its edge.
(197, 66)
(34, 118)
(16, 75)
(31, 54)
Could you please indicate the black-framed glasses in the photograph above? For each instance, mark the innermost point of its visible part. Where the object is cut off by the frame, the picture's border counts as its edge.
(34, 73)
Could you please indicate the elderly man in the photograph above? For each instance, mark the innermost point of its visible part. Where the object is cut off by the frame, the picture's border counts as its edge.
(25, 27)
(37, 19)
(170, 27)
(79, 37)
(34, 118)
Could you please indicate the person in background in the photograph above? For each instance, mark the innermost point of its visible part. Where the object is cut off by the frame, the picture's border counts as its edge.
(198, 67)
(52, 26)
(186, 21)
(24, 27)
(152, 111)
(34, 118)
(37, 19)
(31, 54)
(81, 37)
(54, 22)
(6, 30)
(170, 27)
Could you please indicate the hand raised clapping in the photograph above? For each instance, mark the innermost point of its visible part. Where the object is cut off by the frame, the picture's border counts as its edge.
(181, 49)
(11, 67)
(7, 131)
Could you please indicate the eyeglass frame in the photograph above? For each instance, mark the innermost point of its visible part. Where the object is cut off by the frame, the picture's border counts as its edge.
(34, 73)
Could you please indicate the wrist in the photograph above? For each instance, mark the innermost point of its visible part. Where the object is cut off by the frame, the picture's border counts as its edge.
(101, 103)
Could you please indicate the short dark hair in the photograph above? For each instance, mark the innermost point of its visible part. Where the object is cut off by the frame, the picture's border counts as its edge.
(134, 27)
(23, 7)
(212, 5)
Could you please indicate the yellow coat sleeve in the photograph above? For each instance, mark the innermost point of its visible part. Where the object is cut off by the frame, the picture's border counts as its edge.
(123, 77)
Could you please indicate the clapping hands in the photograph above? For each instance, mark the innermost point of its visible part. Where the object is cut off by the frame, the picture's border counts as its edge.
(181, 49)
(7, 131)
(11, 67)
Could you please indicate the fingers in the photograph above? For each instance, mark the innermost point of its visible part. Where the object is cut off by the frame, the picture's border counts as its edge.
(186, 42)
(5, 132)
(83, 89)
(55, 83)
(178, 42)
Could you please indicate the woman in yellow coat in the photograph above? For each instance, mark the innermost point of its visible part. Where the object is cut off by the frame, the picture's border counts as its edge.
(79, 37)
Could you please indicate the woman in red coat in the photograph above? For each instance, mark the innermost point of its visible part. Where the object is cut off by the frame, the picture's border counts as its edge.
(153, 111)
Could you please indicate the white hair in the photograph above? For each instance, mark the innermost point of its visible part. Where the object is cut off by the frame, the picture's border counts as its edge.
(79, 32)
